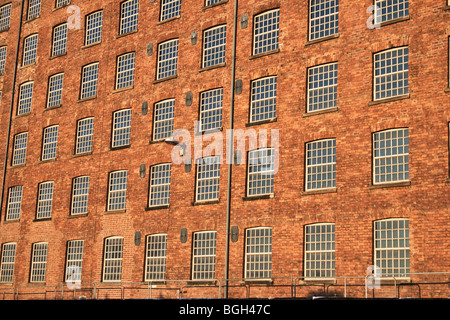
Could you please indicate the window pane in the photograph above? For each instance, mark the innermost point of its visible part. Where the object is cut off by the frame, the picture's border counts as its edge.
(322, 87)
(266, 31)
(211, 103)
(167, 59)
(260, 172)
(263, 99)
(160, 176)
(321, 164)
(163, 119)
(323, 18)
(214, 43)
(155, 262)
(117, 190)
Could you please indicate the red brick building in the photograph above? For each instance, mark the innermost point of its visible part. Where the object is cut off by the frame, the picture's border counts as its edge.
(353, 175)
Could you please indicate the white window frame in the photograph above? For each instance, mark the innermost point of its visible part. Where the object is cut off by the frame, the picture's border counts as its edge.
(266, 31)
(25, 98)
(320, 163)
(50, 142)
(3, 51)
(38, 262)
(121, 128)
(8, 262)
(80, 195)
(125, 70)
(117, 190)
(45, 200)
(214, 46)
(5, 16)
(167, 59)
(61, 3)
(211, 107)
(85, 135)
(258, 254)
(55, 88)
(14, 205)
(208, 179)
(34, 9)
(263, 99)
(155, 257)
(212, 2)
(385, 154)
(89, 81)
(20, 149)
(382, 13)
(74, 261)
(322, 87)
(159, 185)
(30, 44)
(59, 40)
(204, 255)
(319, 255)
(170, 9)
(321, 18)
(112, 260)
(129, 12)
(260, 170)
(163, 119)
(94, 28)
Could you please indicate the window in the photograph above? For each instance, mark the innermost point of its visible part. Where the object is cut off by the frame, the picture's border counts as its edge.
(211, 2)
(266, 32)
(125, 70)
(163, 119)
(159, 185)
(29, 49)
(85, 134)
(263, 98)
(7, 262)
(2, 59)
(208, 174)
(45, 200)
(59, 44)
(204, 255)
(391, 73)
(214, 42)
(390, 10)
(391, 156)
(323, 18)
(319, 250)
(170, 9)
(25, 98)
(322, 87)
(60, 3)
(112, 260)
(74, 260)
(50, 143)
(321, 164)
(89, 79)
(167, 59)
(260, 172)
(121, 128)
(258, 253)
(211, 103)
(14, 203)
(55, 87)
(392, 247)
(128, 16)
(34, 9)
(94, 25)
(38, 262)
(80, 195)
(117, 194)
(155, 259)
(20, 148)
(5, 16)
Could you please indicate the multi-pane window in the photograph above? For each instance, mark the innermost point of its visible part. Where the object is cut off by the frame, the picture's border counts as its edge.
(85, 134)
(128, 16)
(266, 32)
(117, 192)
(125, 70)
(214, 43)
(320, 164)
(59, 44)
(7, 262)
(20, 148)
(167, 59)
(211, 103)
(112, 259)
(25, 98)
(163, 119)
(89, 80)
(260, 179)
(322, 87)
(208, 174)
(204, 255)
(14, 203)
(392, 247)
(258, 253)
(391, 156)
(170, 9)
(121, 128)
(159, 193)
(211, 2)
(155, 258)
(30, 49)
(45, 200)
(38, 262)
(263, 98)
(323, 18)
(80, 195)
(60, 3)
(319, 250)
(391, 71)
(390, 10)
(3, 50)
(34, 9)
(5, 16)
(94, 25)
(49, 143)
(74, 260)
(55, 88)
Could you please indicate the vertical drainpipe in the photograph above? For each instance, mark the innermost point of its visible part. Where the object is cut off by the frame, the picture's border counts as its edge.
(13, 90)
(230, 151)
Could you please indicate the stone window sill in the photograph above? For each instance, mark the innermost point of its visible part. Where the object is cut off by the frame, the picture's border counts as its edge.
(387, 100)
(311, 42)
(390, 185)
(318, 112)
